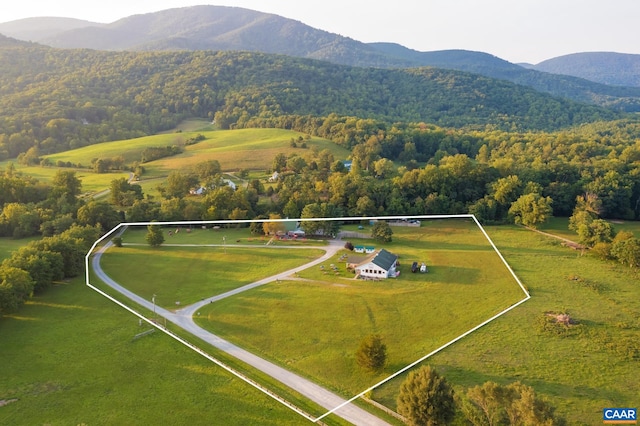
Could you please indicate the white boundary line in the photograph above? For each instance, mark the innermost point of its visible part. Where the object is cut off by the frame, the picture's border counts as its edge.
(247, 380)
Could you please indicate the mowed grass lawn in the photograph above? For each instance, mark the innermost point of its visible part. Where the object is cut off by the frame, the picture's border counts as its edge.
(314, 326)
(68, 358)
(189, 274)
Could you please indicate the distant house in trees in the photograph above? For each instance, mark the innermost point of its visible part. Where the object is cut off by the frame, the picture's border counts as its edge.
(377, 266)
(230, 183)
(274, 177)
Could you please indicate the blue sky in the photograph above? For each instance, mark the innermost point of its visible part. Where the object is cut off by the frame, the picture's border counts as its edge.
(515, 30)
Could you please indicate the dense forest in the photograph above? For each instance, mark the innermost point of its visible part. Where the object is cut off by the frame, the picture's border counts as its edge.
(56, 99)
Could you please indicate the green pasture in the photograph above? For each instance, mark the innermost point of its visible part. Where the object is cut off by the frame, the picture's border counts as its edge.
(314, 326)
(223, 236)
(9, 245)
(560, 226)
(252, 149)
(129, 149)
(91, 182)
(189, 274)
(628, 226)
(579, 374)
(69, 357)
(234, 149)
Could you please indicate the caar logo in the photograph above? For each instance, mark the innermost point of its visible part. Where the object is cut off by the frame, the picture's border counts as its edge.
(619, 416)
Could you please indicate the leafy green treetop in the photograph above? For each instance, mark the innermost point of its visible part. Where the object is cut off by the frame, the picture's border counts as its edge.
(372, 353)
(154, 237)
(382, 232)
(426, 399)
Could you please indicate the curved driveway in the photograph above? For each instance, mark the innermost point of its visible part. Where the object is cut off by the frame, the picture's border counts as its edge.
(184, 319)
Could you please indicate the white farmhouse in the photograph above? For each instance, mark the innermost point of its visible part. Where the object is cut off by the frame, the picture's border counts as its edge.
(380, 265)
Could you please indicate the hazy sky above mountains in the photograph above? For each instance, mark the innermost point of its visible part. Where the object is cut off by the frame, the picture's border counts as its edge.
(515, 30)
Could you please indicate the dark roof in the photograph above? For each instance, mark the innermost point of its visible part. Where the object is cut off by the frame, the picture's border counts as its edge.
(384, 259)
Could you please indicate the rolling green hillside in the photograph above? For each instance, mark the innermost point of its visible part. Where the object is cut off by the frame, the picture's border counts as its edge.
(60, 99)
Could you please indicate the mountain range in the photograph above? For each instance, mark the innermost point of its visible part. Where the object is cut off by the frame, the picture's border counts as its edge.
(233, 28)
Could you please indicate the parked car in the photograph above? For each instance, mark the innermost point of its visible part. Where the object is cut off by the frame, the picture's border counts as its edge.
(423, 268)
(414, 267)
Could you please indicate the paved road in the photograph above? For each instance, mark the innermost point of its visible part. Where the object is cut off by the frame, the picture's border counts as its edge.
(184, 319)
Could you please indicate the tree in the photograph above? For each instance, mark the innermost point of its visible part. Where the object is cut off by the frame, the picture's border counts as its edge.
(154, 237)
(426, 399)
(16, 286)
(514, 404)
(123, 193)
(382, 232)
(43, 266)
(525, 408)
(596, 231)
(484, 405)
(531, 209)
(625, 248)
(272, 228)
(66, 185)
(99, 213)
(383, 168)
(372, 353)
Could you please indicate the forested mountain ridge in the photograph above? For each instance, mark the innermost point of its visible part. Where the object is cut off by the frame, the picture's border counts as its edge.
(58, 99)
(618, 69)
(38, 29)
(232, 28)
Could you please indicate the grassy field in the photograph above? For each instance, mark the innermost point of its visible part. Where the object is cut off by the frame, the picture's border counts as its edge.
(314, 326)
(68, 357)
(9, 245)
(189, 274)
(54, 357)
(560, 226)
(234, 149)
(196, 235)
(581, 373)
(91, 182)
(252, 149)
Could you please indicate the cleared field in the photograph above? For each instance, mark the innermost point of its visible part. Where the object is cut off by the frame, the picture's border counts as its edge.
(189, 274)
(91, 182)
(234, 149)
(314, 326)
(580, 373)
(560, 226)
(9, 245)
(69, 358)
(197, 235)
(252, 149)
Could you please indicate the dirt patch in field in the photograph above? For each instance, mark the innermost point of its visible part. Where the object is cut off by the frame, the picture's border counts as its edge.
(4, 402)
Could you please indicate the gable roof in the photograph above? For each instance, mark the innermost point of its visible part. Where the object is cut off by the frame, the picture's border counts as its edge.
(384, 259)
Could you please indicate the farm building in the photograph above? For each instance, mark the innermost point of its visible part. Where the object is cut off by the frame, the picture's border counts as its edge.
(364, 249)
(380, 265)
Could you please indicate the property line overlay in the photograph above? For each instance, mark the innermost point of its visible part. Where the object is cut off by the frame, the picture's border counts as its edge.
(121, 228)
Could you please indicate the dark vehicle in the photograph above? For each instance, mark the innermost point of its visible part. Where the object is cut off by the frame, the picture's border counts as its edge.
(414, 267)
